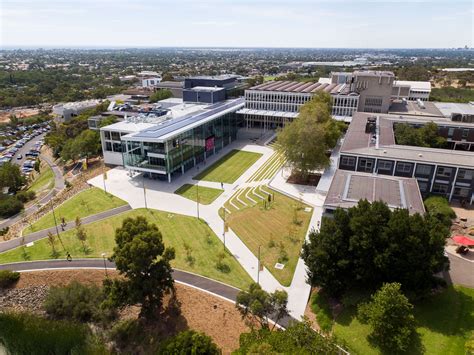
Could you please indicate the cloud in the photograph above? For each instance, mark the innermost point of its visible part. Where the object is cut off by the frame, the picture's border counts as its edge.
(214, 23)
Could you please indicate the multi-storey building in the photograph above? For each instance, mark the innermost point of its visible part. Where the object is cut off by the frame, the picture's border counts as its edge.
(370, 147)
(163, 146)
(271, 105)
(411, 90)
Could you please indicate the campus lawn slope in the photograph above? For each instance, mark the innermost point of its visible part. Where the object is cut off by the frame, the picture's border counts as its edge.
(444, 321)
(85, 203)
(197, 248)
(229, 168)
(207, 195)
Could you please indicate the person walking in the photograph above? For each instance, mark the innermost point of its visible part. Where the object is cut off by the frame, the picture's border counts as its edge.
(68, 256)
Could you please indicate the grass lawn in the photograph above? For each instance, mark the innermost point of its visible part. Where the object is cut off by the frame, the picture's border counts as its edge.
(44, 180)
(207, 195)
(176, 229)
(444, 322)
(85, 203)
(276, 232)
(229, 167)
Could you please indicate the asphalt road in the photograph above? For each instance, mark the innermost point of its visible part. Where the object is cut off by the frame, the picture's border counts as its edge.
(461, 271)
(186, 278)
(23, 150)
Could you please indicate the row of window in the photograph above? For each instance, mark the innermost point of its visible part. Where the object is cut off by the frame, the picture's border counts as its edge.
(367, 165)
(373, 101)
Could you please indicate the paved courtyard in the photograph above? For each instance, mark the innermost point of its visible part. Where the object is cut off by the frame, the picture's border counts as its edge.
(160, 195)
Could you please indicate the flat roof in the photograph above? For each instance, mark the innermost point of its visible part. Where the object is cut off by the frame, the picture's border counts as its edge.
(412, 108)
(414, 85)
(303, 87)
(172, 127)
(348, 187)
(382, 144)
(448, 108)
(205, 88)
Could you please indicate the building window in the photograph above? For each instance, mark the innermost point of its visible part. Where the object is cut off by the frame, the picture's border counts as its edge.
(461, 191)
(450, 132)
(373, 101)
(465, 133)
(366, 165)
(384, 165)
(422, 169)
(423, 185)
(444, 172)
(108, 146)
(107, 134)
(117, 147)
(404, 167)
(465, 174)
(348, 161)
(115, 136)
(440, 188)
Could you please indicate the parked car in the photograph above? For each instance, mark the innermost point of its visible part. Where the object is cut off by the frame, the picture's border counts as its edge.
(19, 157)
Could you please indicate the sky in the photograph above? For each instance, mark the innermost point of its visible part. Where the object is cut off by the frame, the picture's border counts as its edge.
(238, 23)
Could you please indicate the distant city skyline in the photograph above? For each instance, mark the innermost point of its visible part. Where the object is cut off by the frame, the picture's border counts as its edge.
(245, 23)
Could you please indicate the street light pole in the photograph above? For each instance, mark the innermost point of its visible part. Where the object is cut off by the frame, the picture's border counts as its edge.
(223, 233)
(197, 198)
(105, 265)
(56, 224)
(144, 192)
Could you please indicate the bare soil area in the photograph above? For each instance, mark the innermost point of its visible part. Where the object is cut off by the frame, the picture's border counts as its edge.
(20, 113)
(200, 311)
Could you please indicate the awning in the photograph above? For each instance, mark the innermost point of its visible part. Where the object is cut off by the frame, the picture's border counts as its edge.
(463, 240)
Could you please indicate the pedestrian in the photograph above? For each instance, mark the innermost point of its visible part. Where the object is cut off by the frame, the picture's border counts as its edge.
(222, 185)
(68, 256)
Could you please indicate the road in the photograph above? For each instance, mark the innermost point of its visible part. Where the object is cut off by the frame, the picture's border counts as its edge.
(202, 283)
(58, 182)
(461, 271)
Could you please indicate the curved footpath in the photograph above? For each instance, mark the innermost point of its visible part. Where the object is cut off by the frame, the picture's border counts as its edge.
(58, 186)
(204, 284)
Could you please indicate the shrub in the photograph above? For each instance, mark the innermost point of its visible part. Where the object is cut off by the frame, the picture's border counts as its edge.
(439, 208)
(322, 310)
(25, 196)
(10, 206)
(127, 333)
(8, 278)
(24, 333)
(78, 302)
(189, 342)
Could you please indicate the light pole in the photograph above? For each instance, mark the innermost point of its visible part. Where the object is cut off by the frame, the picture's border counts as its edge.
(197, 198)
(144, 192)
(105, 265)
(223, 233)
(56, 225)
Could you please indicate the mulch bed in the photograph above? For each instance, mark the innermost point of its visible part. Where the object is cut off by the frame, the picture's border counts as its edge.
(310, 180)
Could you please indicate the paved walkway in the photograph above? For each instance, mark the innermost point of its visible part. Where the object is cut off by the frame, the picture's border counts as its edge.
(58, 186)
(205, 284)
(16, 242)
(160, 195)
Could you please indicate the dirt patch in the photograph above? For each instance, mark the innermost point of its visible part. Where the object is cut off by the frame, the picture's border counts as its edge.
(310, 180)
(20, 113)
(201, 311)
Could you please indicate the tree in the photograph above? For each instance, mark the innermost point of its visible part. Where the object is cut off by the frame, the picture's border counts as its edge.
(143, 260)
(298, 338)
(52, 244)
(306, 141)
(258, 305)
(167, 77)
(369, 244)
(81, 233)
(189, 342)
(426, 136)
(160, 95)
(390, 316)
(11, 177)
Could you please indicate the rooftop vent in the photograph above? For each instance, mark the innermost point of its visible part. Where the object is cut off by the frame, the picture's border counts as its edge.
(370, 126)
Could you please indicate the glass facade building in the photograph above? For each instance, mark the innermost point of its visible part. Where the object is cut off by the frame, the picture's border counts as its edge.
(165, 154)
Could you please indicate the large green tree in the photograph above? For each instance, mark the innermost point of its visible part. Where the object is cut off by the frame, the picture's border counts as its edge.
(143, 260)
(369, 244)
(11, 177)
(160, 95)
(307, 140)
(390, 316)
(258, 305)
(189, 342)
(425, 136)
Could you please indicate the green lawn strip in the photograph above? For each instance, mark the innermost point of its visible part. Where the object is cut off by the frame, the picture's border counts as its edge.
(85, 203)
(274, 231)
(207, 195)
(444, 321)
(229, 168)
(176, 230)
(44, 180)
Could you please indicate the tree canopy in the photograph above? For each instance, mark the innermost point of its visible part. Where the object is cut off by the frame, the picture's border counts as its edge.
(11, 177)
(189, 342)
(307, 140)
(160, 95)
(390, 316)
(142, 258)
(369, 244)
(298, 338)
(258, 305)
(425, 136)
